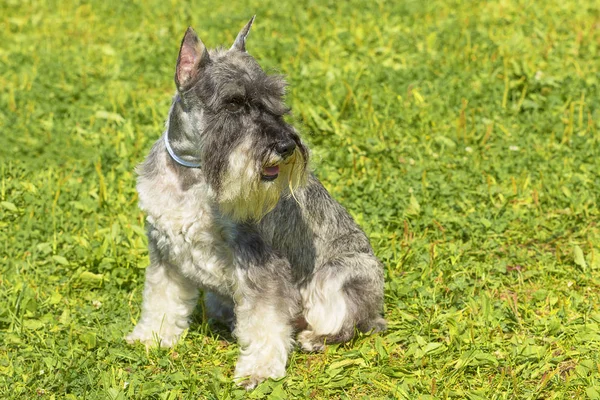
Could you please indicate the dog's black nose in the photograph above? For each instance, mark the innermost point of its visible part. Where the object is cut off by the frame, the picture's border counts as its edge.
(285, 148)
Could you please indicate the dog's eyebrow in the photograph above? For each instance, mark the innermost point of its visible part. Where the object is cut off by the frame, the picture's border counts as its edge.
(274, 105)
(232, 89)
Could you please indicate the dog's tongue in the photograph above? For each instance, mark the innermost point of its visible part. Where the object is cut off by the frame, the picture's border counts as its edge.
(271, 171)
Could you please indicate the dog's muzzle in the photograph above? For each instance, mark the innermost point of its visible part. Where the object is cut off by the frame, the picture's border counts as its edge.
(285, 148)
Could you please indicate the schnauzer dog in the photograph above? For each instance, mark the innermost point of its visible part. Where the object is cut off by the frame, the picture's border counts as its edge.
(233, 210)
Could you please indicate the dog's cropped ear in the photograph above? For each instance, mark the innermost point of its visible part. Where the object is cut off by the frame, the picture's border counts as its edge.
(193, 56)
(240, 41)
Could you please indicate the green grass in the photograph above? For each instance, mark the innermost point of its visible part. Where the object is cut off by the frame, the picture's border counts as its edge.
(463, 136)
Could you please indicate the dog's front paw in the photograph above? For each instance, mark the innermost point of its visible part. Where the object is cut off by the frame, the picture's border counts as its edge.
(249, 383)
(249, 371)
(150, 338)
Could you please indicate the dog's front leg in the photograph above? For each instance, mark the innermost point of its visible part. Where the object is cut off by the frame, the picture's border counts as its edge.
(168, 301)
(265, 305)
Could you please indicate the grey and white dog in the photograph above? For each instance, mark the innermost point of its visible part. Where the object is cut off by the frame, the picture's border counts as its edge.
(233, 210)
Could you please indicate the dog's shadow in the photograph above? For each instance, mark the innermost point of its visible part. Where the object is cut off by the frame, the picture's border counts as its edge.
(204, 325)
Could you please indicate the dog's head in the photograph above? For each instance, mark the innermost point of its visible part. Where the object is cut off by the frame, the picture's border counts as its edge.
(229, 115)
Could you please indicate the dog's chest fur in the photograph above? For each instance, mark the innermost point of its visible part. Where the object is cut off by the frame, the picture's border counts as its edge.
(188, 232)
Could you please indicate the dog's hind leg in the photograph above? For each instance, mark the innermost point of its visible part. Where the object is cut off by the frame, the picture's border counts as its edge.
(343, 294)
(168, 301)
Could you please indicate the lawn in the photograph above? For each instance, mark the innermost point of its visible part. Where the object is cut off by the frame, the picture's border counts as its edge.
(463, 136)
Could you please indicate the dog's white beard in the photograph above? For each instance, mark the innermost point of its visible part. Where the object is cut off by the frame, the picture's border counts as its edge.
(244, 196)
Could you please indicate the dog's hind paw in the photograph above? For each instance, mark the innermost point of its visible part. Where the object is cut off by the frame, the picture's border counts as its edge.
(313, 342)
(310, 342)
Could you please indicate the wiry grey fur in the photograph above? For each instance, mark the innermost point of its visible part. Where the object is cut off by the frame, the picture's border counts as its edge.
(274, 253)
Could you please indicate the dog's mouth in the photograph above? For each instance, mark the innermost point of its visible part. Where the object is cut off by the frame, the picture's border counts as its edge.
(270, 173)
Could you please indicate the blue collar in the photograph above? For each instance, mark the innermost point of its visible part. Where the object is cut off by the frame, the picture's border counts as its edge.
(175, 157)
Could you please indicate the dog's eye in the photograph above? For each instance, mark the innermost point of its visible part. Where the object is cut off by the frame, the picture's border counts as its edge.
(235, 104)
